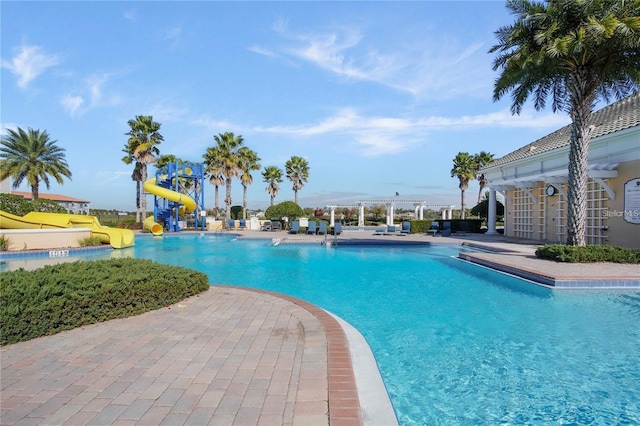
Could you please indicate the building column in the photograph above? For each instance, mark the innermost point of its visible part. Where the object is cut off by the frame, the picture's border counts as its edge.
(416, 210)
(444, 214)
(491, 217)
(361, 215)
(332, 221)
(421, 216)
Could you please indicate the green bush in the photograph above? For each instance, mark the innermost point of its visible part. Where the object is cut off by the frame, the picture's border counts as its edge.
(68, 295)
(588, 254)
(5, 243)
(47, 206)
(91, 241)
(14, 204)
(285, 209)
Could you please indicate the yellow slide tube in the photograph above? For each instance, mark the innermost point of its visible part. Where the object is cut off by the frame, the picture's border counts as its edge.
(150, 187)
(118, 238)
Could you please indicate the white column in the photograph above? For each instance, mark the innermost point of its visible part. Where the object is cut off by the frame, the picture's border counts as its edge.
(491, 217)
(415, 211)
(421, 214)
(332, 221)
(444, 214)
(450, 213)
(361, 216)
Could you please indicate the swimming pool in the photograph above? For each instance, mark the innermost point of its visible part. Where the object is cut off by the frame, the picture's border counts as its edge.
(456, 343)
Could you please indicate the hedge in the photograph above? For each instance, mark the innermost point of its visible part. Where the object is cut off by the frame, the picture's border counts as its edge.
(588, 254)
(68, 295)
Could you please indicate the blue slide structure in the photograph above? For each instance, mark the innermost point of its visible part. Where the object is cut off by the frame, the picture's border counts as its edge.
(178, 190)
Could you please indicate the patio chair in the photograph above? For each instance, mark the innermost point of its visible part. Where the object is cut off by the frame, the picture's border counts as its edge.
(295, 227)
(380, 231)
(446, 229)
(406, 228)
(266, 226)
(231, 224)
(433, 229)
(322, 228)
(276, 225)
(243, 224)
(391, 230)
(311, 229)
(337, 228)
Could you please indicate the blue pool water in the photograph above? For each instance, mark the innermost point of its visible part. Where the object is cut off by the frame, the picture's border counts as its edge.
(455, 343)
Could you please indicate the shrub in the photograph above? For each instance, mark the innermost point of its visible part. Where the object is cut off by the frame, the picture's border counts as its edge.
(588, 254)
(4, 243)
(91, 241)
(285, 209)
(14, 204)
(68, 295)
(47, 206)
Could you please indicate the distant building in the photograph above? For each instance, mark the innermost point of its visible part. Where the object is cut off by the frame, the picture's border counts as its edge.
(72, 205)
(533, 180)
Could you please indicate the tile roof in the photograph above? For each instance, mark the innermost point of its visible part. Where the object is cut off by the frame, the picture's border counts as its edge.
(618, 116)
(53, 197)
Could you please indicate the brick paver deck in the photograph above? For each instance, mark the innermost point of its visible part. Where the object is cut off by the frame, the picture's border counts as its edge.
(229, 356)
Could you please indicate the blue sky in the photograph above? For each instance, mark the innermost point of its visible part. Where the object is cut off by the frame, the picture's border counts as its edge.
(378, 97)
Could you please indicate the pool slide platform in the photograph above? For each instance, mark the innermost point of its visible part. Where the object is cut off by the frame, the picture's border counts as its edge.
(151, 187)
(116, 237)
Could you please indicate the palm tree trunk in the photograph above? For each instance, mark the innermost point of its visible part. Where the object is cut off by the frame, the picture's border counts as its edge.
(244, 202)
(143, 198)
(138, 190)
(227, 200)
(462, 204)
(480, 193)
(272, 198)
(217, 204)
(578, 177)
(296, 196)
(34, 191)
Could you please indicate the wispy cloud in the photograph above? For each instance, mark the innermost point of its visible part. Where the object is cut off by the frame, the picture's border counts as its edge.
(387, 135)
(29, 63)
(90, 95)
(433, 68)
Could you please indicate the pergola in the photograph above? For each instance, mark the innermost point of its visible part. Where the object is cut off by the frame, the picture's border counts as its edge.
(419, 207)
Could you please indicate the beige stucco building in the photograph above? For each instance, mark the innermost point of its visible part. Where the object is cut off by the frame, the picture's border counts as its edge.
(533, 181)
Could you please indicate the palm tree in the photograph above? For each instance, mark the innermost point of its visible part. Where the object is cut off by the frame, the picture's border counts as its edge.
(298, 173)
(31, 155)
(464, 168)
(482, 160)
(142, 147)
(272, 175)
(574, 52)
(223, 160)
(249, 162)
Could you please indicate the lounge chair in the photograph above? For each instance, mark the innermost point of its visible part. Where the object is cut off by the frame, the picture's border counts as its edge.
(266, 226)
(380, 231)
(295, 227)
(322, 228)
(231, 224)
(446, 229)
(311, 229)
(276, 225)
(391, 230)
(337, 228)
(406, 228)
(243, 224)
(433, 230)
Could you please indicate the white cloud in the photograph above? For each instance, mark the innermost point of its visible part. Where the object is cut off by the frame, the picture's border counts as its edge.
(29, 63)
(72, 104)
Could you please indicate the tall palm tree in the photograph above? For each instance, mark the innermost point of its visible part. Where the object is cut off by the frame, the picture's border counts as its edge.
(574, 52)
(482, 160)
(272, 175)
(248, 163)
(142, 147)
(464, 168)
(224, 160)
(298, 173)
(31, 155)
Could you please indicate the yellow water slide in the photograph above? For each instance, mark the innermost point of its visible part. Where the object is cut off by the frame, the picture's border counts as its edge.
(188, 203)
(118, 238)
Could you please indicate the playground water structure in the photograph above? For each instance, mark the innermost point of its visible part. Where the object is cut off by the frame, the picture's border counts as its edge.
(116, 237)
(178, 190)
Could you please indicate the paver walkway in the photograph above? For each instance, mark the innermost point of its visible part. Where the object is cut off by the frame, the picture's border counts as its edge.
(229, 356)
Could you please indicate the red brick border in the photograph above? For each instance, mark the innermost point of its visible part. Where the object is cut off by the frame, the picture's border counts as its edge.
(344, 404)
